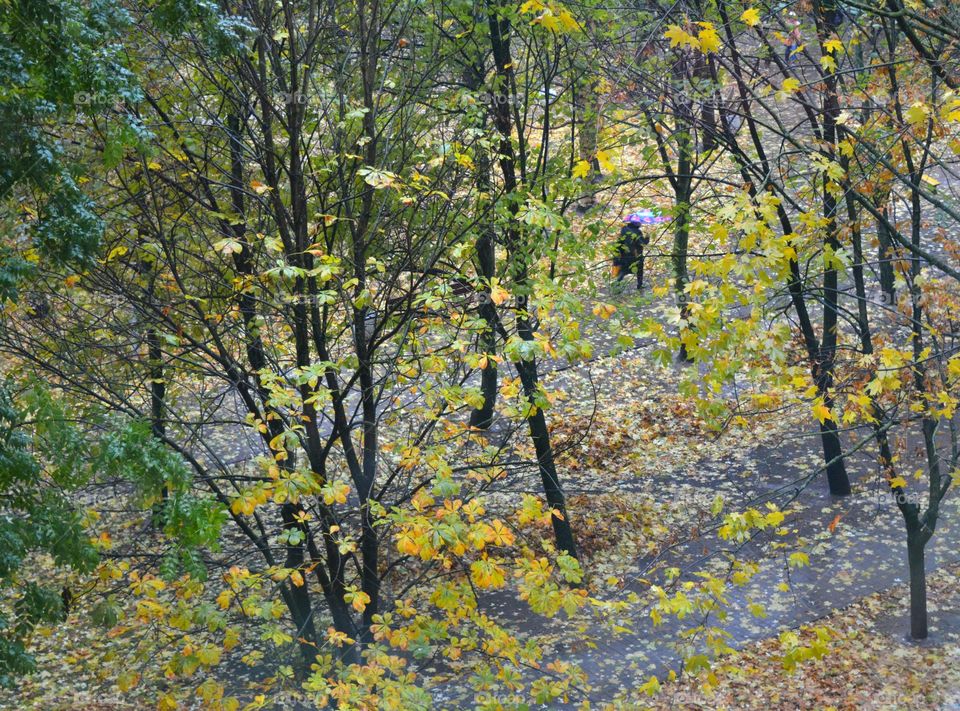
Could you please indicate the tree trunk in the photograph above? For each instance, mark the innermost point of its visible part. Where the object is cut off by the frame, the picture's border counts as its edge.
(837, 477)
(885, 258)
(499, 27)
(540, 435)
(482, 417)
(298, 597)
(918, 586)
(683, 188)
(681, 237)
(833, 453)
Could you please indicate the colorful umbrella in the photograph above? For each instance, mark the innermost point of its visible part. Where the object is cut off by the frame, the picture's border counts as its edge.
(646, 217)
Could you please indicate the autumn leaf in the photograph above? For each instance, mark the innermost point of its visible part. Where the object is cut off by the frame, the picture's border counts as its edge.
(209, 655)
(360, 601)
(604, 311)
(708, 38)
(750, 17)
(486, 573)
(917, 114)
(228, 246)
(833, 45)
(798, 559)
(259, 188)
(822, 412)
(832, 526)
(581, 169)
(680, 38)
(498, 534)
(603, 158)
(498, 294)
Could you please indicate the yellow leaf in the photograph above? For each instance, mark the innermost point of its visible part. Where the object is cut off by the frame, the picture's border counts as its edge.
(822, 412)
(790, 85)
(548, 20)
(224, 598)
(833, 45)
(117, 251)
(581, 169)
(497, 293)
(679, 37)
(360, 601)
(709, 39)
(604, 311)
(486, 573)
(406, 543)
(798, 560)
(228, 246)
(917, 113)
(498, 534)
(898, 482)
(603, 158)
(750, 17)
(568, 21)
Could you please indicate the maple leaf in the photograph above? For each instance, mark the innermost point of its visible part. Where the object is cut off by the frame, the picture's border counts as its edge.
(750, 17)
(708, 38)
(603, 158)
(568, 21)
(917, 114)
(679, 37)
(822, 412)
(548, 20)
(833, 45)
(790, 85)
(531, 6)
(581, 169)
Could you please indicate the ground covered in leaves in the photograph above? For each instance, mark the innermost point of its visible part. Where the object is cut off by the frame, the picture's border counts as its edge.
(868, 662)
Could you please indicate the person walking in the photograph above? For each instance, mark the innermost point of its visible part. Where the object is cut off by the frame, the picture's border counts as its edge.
(793, 42)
